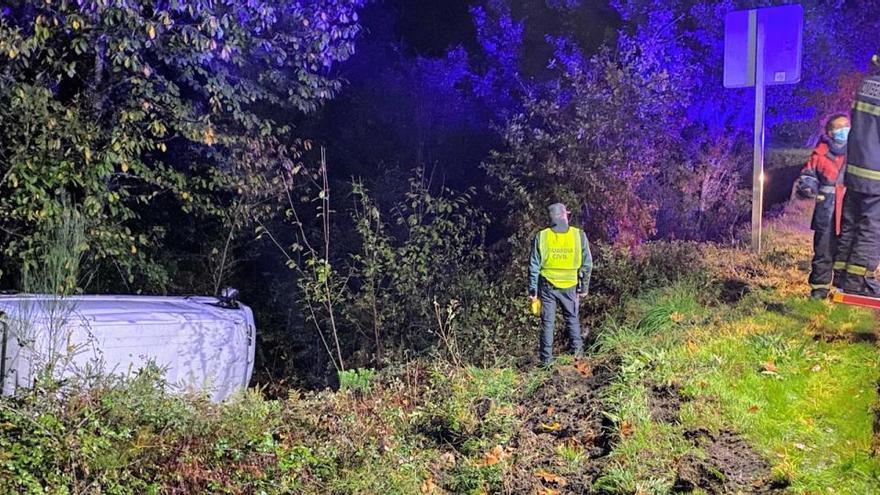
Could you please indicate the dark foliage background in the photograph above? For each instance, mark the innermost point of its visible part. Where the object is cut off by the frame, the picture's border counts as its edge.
(448, 127)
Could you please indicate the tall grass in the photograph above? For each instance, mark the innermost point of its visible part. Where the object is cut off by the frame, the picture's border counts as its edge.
(54, 268)
(40, 328)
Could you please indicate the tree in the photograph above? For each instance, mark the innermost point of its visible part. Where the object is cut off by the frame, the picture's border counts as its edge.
(124, 106)
(594, 139)
(703, 189)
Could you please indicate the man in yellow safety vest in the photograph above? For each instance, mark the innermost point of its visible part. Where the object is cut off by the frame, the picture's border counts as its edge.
(559, 274)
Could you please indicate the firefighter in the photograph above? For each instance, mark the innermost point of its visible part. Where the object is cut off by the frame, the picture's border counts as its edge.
(821, 179)
(559, 274)
(858, 250)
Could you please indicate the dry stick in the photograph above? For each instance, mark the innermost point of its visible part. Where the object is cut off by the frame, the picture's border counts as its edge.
(448, 339)
(326, 218)
(323, 339)
(296, 219)
(374, 292)
(218, 276)
(122, 276)
(375, 321)
(326, 228)
(309, 303)
(373, 300)
(312, 251)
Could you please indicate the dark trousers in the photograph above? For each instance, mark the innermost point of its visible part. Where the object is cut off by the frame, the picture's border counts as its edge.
(858, 248)
(567, 299)
(824, 240)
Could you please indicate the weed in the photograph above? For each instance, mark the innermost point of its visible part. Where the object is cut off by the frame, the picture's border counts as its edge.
(535, 379)
(474, 479)
(358, 380)
(572, 455)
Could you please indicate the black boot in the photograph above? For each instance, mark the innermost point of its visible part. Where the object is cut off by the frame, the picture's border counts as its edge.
(872, 287)
(851, 284)
(837, 280)
(867, 286)
(819, 294)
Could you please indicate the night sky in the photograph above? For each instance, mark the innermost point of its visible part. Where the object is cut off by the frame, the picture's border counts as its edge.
(357, 126)
(430, 27)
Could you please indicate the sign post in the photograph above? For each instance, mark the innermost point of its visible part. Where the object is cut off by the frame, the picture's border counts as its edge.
(762, 47)
(758, 153)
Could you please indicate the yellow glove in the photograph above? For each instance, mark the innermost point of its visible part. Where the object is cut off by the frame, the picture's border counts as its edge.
(535, 306)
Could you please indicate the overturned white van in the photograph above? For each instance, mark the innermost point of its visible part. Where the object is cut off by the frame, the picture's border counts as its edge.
(203, 344)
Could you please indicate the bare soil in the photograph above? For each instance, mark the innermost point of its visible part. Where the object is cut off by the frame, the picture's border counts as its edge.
(730, 465)
(665, 403)
(733, 289)
(564, 411)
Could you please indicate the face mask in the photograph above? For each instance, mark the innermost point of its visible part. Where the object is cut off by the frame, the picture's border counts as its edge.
(840, 135)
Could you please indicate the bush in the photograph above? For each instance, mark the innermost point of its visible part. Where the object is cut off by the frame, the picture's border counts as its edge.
(105, 437)
(496, 325)
(124, 131)
(357, 380)
(619, 274)
(470, 409)
(426, 253)
(595, 139)
(129, 436)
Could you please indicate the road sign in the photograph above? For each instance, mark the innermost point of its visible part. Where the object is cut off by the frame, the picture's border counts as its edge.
(739, 48)
(783, 37)
(762, 47)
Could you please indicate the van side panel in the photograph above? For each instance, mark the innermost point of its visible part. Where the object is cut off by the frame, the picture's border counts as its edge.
(200, 347)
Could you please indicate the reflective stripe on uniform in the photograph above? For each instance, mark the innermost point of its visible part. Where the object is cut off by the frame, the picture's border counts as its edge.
(820, 286)
(863, 106)
(862, 172)
(839, 265)
(856, 270)
(870, 88)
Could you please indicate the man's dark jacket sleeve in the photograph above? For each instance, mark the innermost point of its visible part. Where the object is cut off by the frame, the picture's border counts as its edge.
(534, 268)
(586, 269)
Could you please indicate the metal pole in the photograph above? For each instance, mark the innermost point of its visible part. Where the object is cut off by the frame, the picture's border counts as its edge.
(3, 354)
(758, 165)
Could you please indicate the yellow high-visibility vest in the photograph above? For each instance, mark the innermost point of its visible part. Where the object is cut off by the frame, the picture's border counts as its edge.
(561, 256)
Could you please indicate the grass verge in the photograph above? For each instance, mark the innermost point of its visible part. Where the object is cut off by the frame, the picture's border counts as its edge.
(770, 376)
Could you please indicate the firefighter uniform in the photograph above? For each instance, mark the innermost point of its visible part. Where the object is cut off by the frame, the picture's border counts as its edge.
(858, 250)
(825, 170)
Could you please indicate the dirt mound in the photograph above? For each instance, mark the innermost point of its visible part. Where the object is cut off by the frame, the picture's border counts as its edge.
(730, 465)
(732, 290)
(823, 331)
(665, 403)
(564, 415)
(851, 337)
